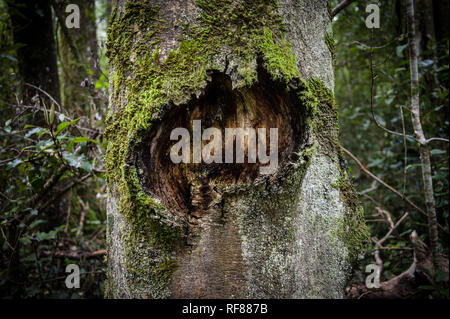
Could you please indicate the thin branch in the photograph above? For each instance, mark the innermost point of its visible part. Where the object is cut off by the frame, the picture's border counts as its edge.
(6, 239)
(84, 209)
(341, 6)
(437, 139)
(379, 243)
(94, 131)
(365, 46)
(63, 191)
(48, 95)
(390, 248)
(369, 173)
(395, 248)
(387, 216)
(75, 255)
(372, 84)
(392, 228)
(405, 150)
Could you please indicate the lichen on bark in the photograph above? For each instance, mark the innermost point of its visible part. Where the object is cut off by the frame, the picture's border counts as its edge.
(163, 57)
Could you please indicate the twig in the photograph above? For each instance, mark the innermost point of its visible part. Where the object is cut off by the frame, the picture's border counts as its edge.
(369, 173)
(394, 248)
(392, 228)
(84, 209)
(94, 131)
(66, 189)
(74, 255)
(48, 95)
(341, 6)
(405, 147)
(372, 84)
(436, 139)
(387, 216)
(81, 274)
(6, 239)
(372, 187)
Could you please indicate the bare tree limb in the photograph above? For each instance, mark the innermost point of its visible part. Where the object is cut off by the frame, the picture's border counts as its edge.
(341, 6)
(437, 139)
(392, 228)
(405, 149)
(369, 173)
(48, 95)
(75, 255)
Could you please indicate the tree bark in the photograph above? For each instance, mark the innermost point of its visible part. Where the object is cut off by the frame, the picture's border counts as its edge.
(226, 230)
(420, 136)
(79, 60)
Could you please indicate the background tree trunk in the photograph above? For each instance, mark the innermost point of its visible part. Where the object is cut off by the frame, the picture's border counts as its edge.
(79, 60)
(224, 230)
(33, 28)
(421, 139)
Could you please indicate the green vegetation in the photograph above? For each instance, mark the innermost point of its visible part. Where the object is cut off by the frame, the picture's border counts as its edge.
(56, 159)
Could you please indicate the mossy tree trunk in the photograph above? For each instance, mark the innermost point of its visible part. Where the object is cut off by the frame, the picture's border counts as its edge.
(225, 230)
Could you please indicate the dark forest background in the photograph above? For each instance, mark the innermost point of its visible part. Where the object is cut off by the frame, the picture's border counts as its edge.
(53, 110)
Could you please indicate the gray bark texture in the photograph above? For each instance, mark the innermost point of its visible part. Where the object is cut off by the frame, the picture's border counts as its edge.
(421, 139)
(225, 230)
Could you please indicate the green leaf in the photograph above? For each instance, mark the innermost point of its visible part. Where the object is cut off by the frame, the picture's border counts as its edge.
(440, 275)
(80, 139)
(78, 161)
(399, 49)
(33, 131)
(65, 125)
(37, 222)
(14, 163)
(426, 63)
(412, 165)
(437, 152)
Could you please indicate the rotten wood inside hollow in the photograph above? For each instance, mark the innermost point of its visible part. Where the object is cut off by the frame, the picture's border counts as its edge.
(192, 188)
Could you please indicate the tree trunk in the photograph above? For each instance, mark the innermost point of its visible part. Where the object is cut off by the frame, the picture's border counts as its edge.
(33, 28)
(197, 230)
(421, 139)
(79, 60)
(441, 18)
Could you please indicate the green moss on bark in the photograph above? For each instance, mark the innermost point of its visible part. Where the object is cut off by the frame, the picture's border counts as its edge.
(142, 83)
(331, 44)
(352, 229)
